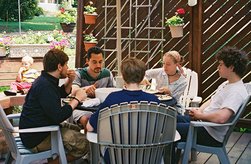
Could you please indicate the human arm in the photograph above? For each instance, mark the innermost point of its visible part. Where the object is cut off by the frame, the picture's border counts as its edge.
(68, 84)
(80, 95)
(220, 116)
(20, 74)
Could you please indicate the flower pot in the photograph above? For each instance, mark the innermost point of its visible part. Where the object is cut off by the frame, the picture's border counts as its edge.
(89, 45)
(2, 51)
(34, 50)
(176, 31)
(90, 18)
(67, 27)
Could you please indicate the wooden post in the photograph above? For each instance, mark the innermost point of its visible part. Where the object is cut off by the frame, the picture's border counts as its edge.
(195, 39)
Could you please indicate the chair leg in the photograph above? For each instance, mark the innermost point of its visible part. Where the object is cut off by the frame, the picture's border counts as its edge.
(177, 155)
(193, 155)
(222, 155)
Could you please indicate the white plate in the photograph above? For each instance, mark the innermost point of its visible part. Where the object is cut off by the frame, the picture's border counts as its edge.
(164, 97)
(151, 91)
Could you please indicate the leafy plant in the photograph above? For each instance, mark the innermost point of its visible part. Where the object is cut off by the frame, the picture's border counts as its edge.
(176, 20)
(90, 38)
(89, 9)
(67, 16)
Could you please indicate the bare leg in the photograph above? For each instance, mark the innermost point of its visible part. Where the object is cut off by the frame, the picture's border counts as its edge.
(83, 120)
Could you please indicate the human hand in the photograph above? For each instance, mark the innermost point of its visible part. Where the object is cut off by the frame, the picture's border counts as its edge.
(80, 94)
(71, 74)
(164, 90)
(21, 70)
(194, 113)
(145, 82)
(90, 90)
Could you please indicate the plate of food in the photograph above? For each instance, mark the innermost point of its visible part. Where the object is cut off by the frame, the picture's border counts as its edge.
(164, 97)
(151, 91)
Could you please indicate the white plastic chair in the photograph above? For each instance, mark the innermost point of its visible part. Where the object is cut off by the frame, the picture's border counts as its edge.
(22, 155)
(190, 95)
(135, 133)
(221, 152)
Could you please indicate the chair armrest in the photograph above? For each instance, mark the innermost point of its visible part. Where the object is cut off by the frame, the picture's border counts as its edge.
(196, 99)
(39, 129)
(202, 123)
(91, 137)
(13, 116)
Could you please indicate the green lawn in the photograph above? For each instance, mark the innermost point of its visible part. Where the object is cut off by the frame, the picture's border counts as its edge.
(41, 23)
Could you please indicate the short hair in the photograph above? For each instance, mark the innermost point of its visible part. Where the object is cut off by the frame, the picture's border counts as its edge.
(175, 55)
(28, 58)
(232, 56)
(94, 50)
(133, 70)
(52, 58)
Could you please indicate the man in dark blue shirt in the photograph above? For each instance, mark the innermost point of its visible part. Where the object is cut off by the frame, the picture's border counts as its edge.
(42, 107)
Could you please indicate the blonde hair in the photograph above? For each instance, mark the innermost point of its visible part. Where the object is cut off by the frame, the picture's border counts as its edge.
(177, 58)
(28, 58)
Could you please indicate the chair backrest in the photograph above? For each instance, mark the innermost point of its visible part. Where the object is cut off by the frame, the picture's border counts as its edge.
(8, 130)
(136, 132)
(191, 90)
(248, 87)
(234, 119)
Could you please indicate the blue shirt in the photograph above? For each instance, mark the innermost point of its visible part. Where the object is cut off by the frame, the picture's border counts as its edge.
(119, 97)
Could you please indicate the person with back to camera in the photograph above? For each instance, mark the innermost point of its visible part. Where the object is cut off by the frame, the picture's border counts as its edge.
(170, 78)
(89, 78)
(223, 104)
(26, 75)
(133, 72)
(42, 107)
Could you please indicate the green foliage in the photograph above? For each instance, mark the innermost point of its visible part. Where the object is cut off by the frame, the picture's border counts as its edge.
(9, 9)
(174, 21)
(90, 38)
(4, 88)
(40, 23)
(90, 9)
(68, 16)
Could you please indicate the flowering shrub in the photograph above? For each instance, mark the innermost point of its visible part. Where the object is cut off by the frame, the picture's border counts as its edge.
(67, 14)
(56, 39)
(176, 20)
(89, 9)
(5, 41)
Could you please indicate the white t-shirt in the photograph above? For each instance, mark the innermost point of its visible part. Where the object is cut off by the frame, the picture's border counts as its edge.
(227, 96)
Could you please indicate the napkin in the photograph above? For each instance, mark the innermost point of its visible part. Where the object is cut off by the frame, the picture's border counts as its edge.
(91, 102)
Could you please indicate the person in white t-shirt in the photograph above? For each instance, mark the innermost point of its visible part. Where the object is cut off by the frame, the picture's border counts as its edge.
(224, 103)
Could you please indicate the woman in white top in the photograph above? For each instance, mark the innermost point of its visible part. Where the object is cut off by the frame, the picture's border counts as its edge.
(170, 78)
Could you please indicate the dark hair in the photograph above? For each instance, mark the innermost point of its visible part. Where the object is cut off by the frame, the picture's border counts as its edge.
(95, 50)
(231, 56)
(54, 57)
(133, 70)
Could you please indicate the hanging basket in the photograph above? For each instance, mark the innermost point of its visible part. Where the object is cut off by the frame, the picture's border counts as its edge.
(90, 18)
(89, 45)
(68, 27)
(176, 31)
(2, 52)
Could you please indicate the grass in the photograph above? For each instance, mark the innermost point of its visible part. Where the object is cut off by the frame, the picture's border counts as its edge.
(41, 23)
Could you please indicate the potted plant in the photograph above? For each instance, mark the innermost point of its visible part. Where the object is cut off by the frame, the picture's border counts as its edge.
(89, 41)
(4, 42)
(176, 23)
(90, 14)
(67, 18)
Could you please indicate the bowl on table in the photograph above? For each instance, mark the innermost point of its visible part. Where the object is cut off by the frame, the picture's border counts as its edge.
(102, 93)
